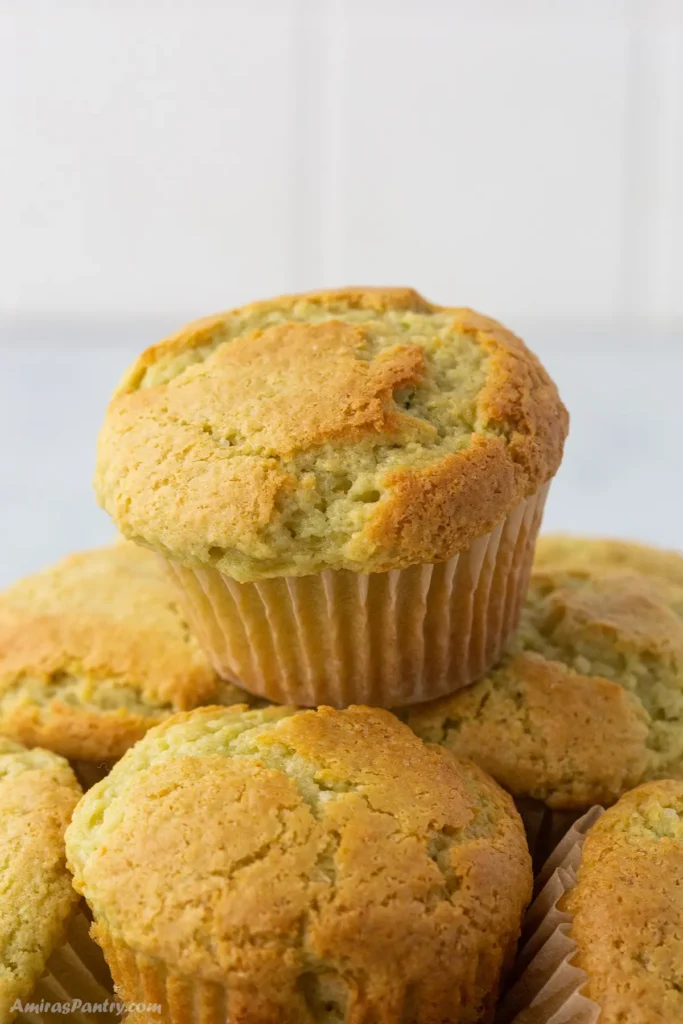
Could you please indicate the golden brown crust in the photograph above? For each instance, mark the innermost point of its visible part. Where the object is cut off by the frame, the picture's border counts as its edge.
(588, 703)
(94, 651)
(38, 793)
(558, 550)
(519, 399)
(302, 850)
(628, 908)
(202, 332)
(542, 731)
(431, 511)
(340, 396)
(226, 453)
(95, 737)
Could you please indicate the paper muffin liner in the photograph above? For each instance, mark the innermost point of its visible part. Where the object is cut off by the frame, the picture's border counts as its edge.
(383, 639)
(547, 987)
(76, 979)
(89, 772)
(154, 991)
(544, 827)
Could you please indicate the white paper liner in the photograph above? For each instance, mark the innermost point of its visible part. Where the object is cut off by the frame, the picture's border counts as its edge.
(75, 971)
(383, 639)
(547, 989)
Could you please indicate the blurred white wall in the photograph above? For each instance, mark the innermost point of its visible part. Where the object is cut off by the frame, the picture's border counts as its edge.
(169, 158)
(162, 159)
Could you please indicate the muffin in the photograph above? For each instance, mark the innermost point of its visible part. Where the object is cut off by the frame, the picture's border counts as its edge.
(624, 914)
(627, 908)
(347, 485)
(46, 955)
(93, 652)
(574, 552)
(261, 865)
(587, 703)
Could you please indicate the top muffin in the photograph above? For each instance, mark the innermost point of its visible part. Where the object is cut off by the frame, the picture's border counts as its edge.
(361, 429)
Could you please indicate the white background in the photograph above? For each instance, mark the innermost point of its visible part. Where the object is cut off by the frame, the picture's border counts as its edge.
(161, 160)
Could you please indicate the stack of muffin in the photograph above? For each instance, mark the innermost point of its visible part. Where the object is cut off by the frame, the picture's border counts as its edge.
(328, 707)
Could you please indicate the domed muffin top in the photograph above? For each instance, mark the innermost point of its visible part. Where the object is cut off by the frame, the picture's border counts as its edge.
(567, 551)
(38, 792)
(628, 907)
(305, 857)
(364, 429)
(94, 651)
(589, 700)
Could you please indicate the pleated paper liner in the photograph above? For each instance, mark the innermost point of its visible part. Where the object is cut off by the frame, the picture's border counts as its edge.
(383, 639)
(547, 988)
(77, 977)
(160, 994)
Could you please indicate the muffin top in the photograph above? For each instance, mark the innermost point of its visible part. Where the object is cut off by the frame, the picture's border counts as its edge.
(38, 792)
(573, 552)
(94, 651)
(319, 863)
(363, 429)
(589, 700)
(628, 908)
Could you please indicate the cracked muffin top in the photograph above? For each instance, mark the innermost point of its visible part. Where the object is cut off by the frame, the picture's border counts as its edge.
(38, 792)
(322, 865)
(628, 908)
(94, 651)
(564, 551)
(589, 700)
(364, 429)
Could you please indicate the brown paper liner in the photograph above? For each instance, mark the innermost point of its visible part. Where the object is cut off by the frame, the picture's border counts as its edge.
(383, 639)
(88, 772)
(75, 971)
(547, 987)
